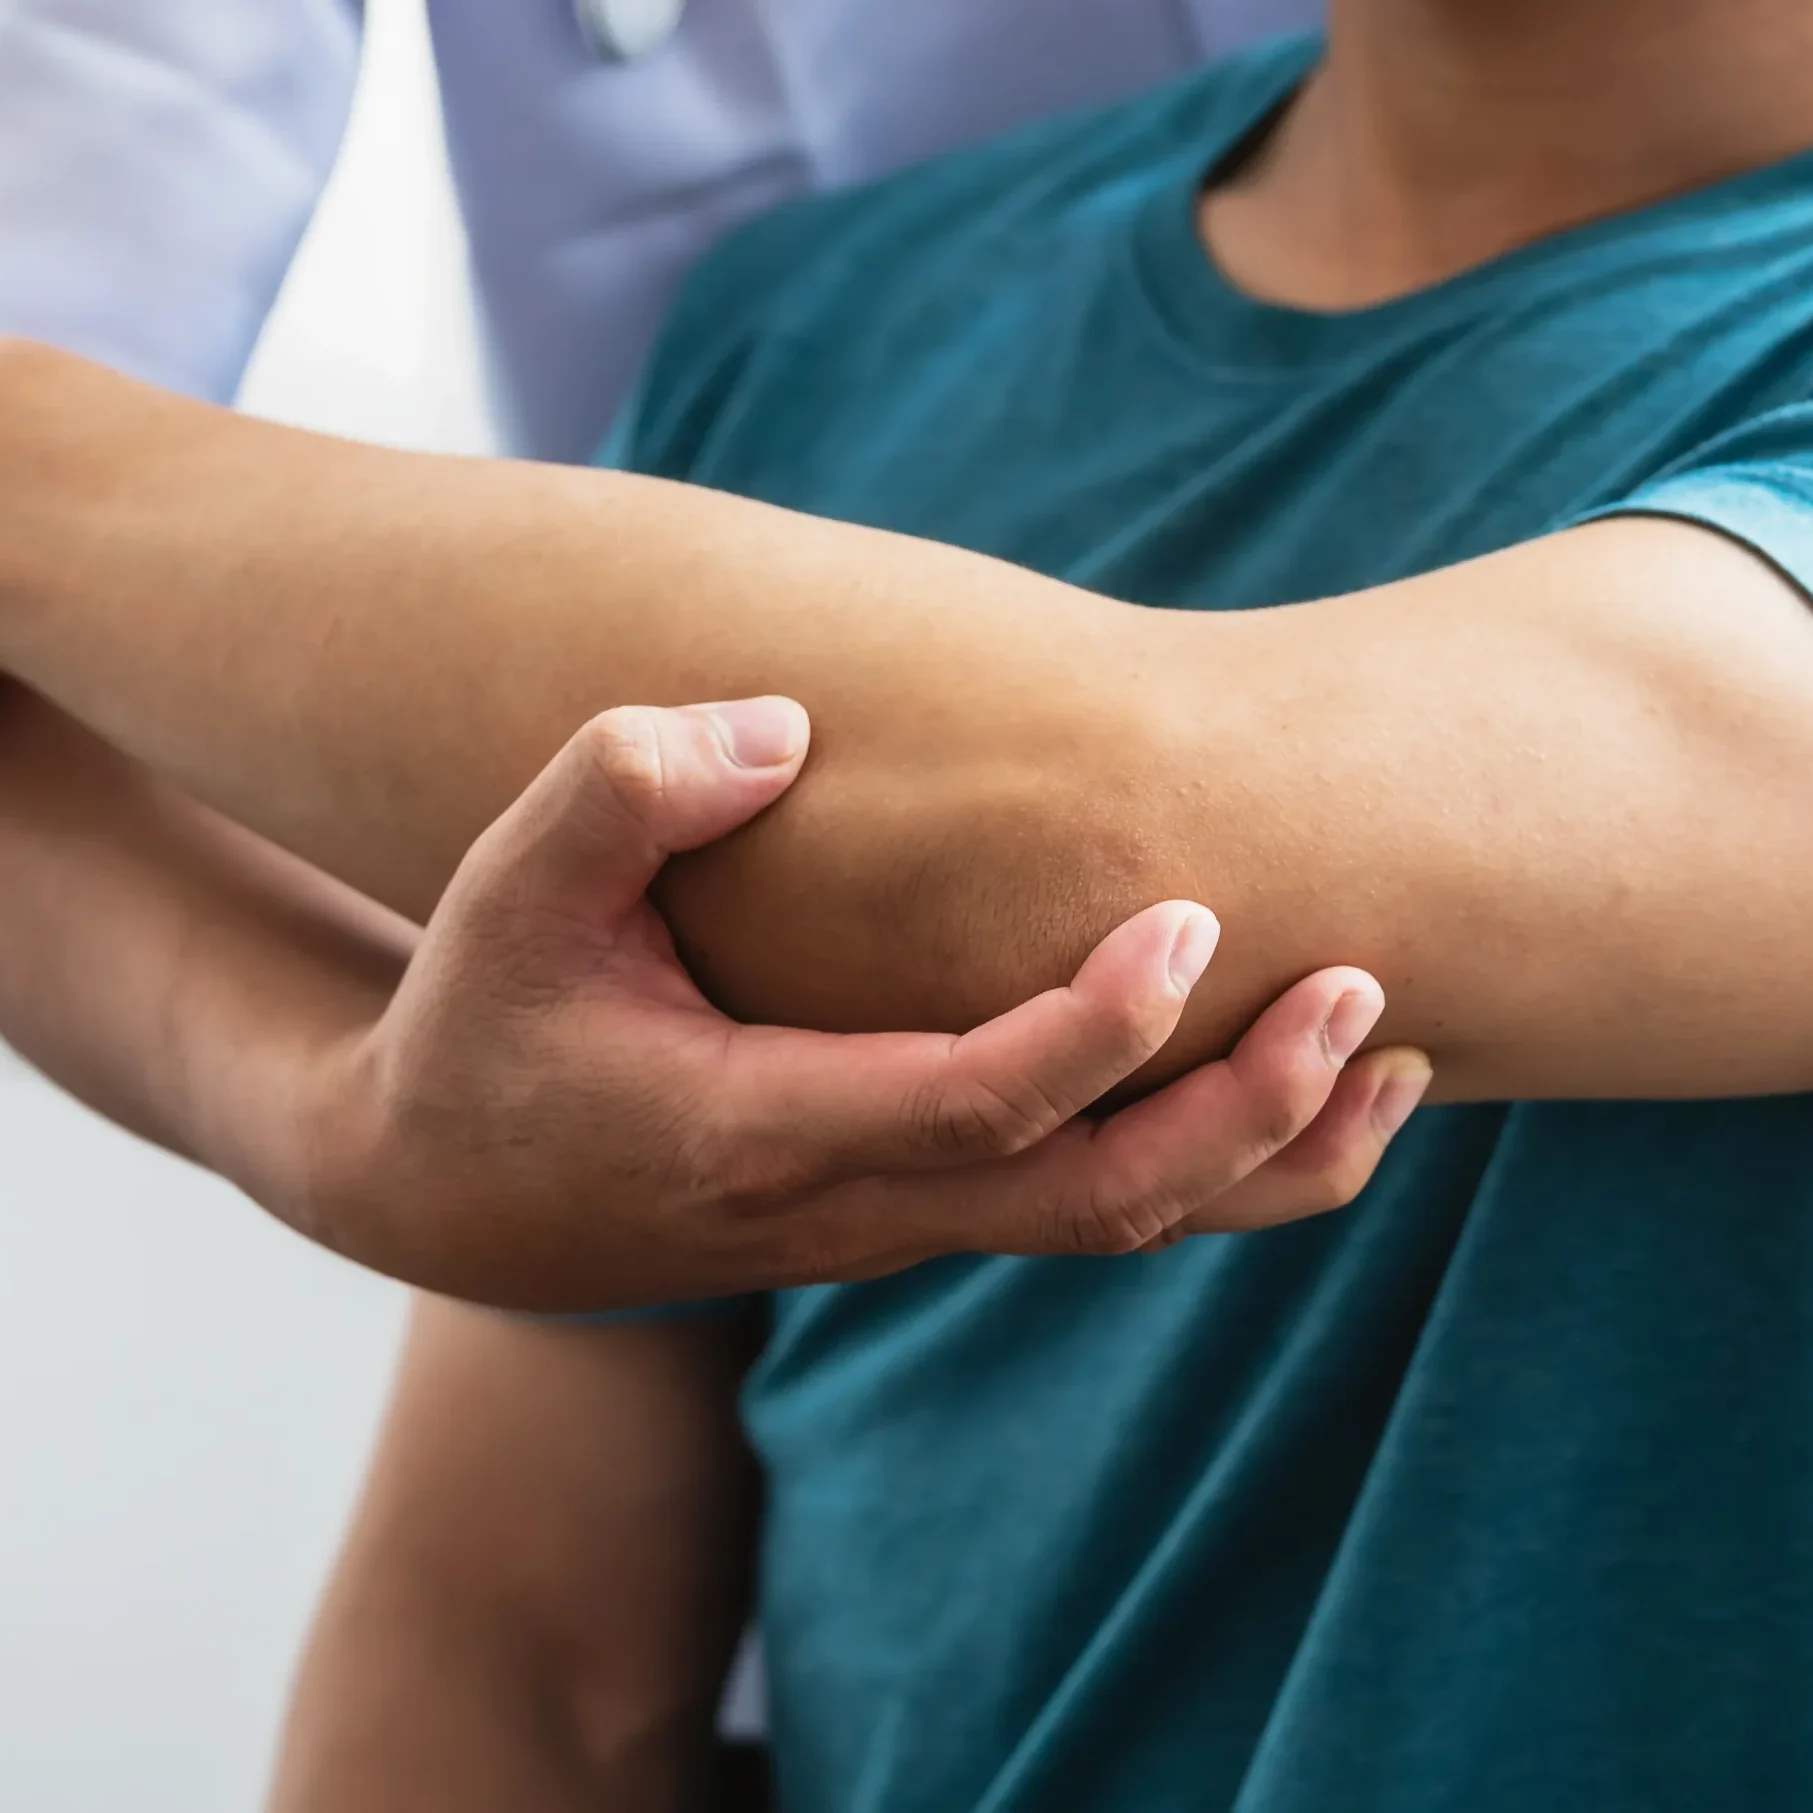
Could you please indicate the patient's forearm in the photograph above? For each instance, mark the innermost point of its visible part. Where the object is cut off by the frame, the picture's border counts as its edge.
(1553, 800)
(367, 654)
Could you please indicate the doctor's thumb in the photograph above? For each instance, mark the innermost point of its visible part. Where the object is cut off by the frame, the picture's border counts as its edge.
(661, 781)
(723, 763)
(633, 787)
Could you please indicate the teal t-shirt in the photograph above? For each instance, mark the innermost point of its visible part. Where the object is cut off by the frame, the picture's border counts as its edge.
(1493, 1493)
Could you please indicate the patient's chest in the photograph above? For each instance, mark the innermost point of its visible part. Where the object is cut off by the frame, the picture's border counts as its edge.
(1047, 405)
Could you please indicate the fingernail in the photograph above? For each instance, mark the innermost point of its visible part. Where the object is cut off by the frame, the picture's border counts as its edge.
(761, 733)
(1345, 1029)
(1192, 948)
(1397, 1099)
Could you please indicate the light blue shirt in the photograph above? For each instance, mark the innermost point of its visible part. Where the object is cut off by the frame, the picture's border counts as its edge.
(158, 161)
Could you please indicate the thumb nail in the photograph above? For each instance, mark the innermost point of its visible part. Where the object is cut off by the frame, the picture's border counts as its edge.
(761, 733)
(1354, 1016)
(1192, 947)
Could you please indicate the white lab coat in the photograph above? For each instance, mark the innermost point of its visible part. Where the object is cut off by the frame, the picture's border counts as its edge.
(159, 158)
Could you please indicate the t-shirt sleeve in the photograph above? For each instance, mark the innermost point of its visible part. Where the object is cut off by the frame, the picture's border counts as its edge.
(1753, 483)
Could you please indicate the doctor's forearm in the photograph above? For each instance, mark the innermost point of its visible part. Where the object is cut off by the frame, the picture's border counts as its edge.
(166, 967)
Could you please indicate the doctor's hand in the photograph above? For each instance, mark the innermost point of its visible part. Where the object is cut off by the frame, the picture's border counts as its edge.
(550, 1116)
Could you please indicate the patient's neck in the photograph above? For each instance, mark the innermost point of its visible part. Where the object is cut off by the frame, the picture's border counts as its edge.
(1439, 134)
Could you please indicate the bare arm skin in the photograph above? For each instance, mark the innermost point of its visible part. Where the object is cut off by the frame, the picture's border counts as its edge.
(543, 1587)
(1554, 799)
(453, 1106)
(221, 968)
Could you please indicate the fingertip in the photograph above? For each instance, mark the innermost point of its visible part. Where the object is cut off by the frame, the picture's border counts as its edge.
(1347, 979)
(1401, 1091)
(624, 741)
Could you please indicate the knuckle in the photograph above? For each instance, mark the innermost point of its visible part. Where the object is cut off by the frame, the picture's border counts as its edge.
(1175, 1235)
(1315, 1194)
(706, 1154)
(1125, 1033)
(489, 856)
(1113, 1036)
(1108, 1226)
(804, 1256)
(761, 1156)
(1139, 1029)
(700, 1151)
(755, 1172)
(940, 1123)
(686, 1163)
(829, 1239)
(622, 749)
(766, 1173)
(1340, 1179)
(982, 1120)
(1277, 1120)
(771, 1240)
(767, 1168)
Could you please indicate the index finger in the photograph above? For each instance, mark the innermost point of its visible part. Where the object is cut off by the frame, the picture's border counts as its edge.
(1125, 1183)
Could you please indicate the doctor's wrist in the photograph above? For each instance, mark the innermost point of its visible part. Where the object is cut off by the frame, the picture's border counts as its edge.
(278, 1114)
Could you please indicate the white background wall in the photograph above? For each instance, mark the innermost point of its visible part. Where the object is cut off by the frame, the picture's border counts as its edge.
(186, 1391)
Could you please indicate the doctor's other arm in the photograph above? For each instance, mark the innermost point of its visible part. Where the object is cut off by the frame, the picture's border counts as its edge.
(540, 1596)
